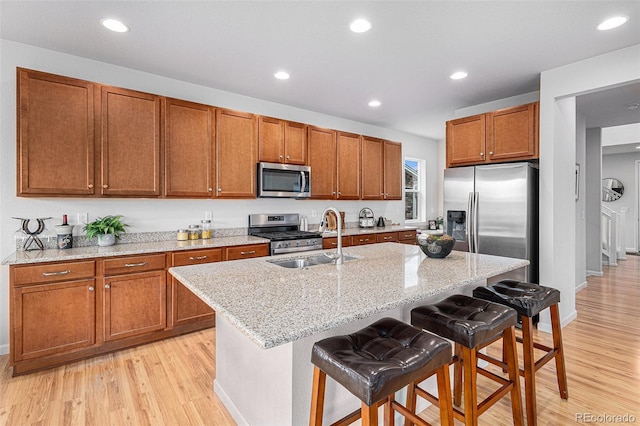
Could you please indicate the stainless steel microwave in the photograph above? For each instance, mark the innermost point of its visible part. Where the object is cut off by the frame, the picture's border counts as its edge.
(284, 180)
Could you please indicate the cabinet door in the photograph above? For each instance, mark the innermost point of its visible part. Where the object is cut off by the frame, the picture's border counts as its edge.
(348, 160)
(130, 154)
(236, 154)
(387, 237)
(372, 168)
(52, 319)
(393, 167)
(186, 307)
(188, 148)
(134, 304)
(55, 135)
(360, 240)
(295, 143)
(246, 252)
(332, 242)
(466, 141)
(271, 140)
(512, 133)
(322, 159)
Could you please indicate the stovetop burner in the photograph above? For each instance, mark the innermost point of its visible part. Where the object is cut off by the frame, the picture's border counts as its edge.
(288, 235)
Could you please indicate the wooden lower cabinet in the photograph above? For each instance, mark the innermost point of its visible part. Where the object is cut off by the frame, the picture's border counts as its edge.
(134, 304)
(407, 237)
(70, 311)
(387, 237)
(332, 242)
(359, 240)
(247, 251)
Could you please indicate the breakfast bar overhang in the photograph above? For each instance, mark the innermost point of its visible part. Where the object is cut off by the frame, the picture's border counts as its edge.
(269, 317)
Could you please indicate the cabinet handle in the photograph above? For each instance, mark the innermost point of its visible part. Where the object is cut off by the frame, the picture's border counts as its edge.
(131, 265)
(387, 238)
(490, 152)
(48, 274)
(247, 252)
(364, 240)
(280, 156)
(107, 286)
(219, 189)
(91, 288)
(210, 190)
(90, 186)
(197, 257)
(333, 193)
(288, 157)
(105, 186)
(482, 154)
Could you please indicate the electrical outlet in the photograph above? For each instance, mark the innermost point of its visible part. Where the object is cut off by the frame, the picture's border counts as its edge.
(83, 218)
(208, 215)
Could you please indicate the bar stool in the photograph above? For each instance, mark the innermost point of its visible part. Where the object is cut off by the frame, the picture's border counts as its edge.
(374, 363)
(529, 300)
(470, 323)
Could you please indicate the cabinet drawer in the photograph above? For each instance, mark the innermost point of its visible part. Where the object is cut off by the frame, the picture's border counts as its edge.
(358, 240)
(193, 257)
(387, 237)
(332, 242)
(406, 235)
(131, 264)
(67, 271)
(246, 252)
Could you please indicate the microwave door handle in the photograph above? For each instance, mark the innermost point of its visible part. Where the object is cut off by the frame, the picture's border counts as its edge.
(304, 182)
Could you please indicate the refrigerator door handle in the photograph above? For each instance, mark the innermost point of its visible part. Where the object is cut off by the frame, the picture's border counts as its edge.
(476, 196)
(470, 222)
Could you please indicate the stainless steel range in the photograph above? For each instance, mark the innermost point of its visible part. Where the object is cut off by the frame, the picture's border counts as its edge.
(284, 233)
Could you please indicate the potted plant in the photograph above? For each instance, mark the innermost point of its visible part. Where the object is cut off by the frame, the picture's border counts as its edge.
(107, 229)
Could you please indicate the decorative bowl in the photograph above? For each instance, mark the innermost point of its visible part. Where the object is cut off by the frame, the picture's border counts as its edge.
(438, 246)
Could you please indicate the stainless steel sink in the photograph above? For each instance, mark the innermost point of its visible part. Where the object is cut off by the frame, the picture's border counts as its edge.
(304, 262)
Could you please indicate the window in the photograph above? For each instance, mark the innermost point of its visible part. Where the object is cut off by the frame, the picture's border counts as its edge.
(414, 196)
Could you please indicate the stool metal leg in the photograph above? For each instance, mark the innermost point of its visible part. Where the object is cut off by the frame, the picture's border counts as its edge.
(317, 397)
(509, 340)
(529, 370)
(557, 344)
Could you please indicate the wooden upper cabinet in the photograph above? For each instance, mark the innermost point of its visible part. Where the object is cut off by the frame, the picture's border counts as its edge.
(236, 154)
(188, 149)
(372, 168)
(509, 134)
(130, 154)
(55, 149)
(282, 141)
(322, 159)
(348, 166)
(466, 141)
(393, 168)
(512, 133)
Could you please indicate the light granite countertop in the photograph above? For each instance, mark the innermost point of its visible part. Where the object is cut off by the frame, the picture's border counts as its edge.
(56, 255)
(273, 305)
(364, 231)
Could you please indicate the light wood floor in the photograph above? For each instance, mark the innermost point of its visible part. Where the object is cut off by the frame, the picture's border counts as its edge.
(170, 382)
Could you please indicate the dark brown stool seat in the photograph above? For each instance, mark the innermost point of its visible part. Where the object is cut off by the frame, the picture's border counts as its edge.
(529, 300)
(377, 361)
(472, 323)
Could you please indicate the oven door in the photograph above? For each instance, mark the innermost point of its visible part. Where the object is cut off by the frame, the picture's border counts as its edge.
(284, 180)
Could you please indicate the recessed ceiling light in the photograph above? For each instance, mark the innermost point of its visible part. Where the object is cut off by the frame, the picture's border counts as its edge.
(632, 106)
(282, 75)
(375, 103)
(360, 26)
(638, 147)
(611, 23)
(114, 25)
(458, 75)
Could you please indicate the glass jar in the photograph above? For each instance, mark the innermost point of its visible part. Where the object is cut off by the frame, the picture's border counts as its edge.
(182, 235)
(206, 229)
(194, 232)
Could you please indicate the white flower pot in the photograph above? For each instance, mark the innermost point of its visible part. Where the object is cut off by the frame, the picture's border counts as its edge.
(105, 240)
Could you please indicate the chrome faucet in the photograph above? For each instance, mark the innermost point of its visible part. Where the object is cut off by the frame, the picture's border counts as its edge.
(338, 254)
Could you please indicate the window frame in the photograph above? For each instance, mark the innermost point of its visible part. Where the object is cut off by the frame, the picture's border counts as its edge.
(421, 190)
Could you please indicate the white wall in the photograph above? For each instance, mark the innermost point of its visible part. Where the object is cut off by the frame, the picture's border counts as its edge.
(593, 197)
(623, 168)
(581, 249)
(166, 215)
(558, 88)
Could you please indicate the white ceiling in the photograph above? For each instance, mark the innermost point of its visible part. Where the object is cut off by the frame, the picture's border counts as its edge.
(404, 61)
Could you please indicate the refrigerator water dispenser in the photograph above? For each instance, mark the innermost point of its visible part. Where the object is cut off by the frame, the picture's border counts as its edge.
(457, 224)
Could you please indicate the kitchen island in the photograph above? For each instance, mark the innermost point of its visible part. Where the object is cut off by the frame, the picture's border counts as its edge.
(268, 318)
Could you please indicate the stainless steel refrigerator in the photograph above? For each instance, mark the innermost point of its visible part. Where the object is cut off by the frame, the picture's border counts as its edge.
(493, 209)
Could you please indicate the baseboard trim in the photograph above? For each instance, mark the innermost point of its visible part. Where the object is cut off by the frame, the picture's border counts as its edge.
(581, 286)
(4, 349)
(594, 273)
